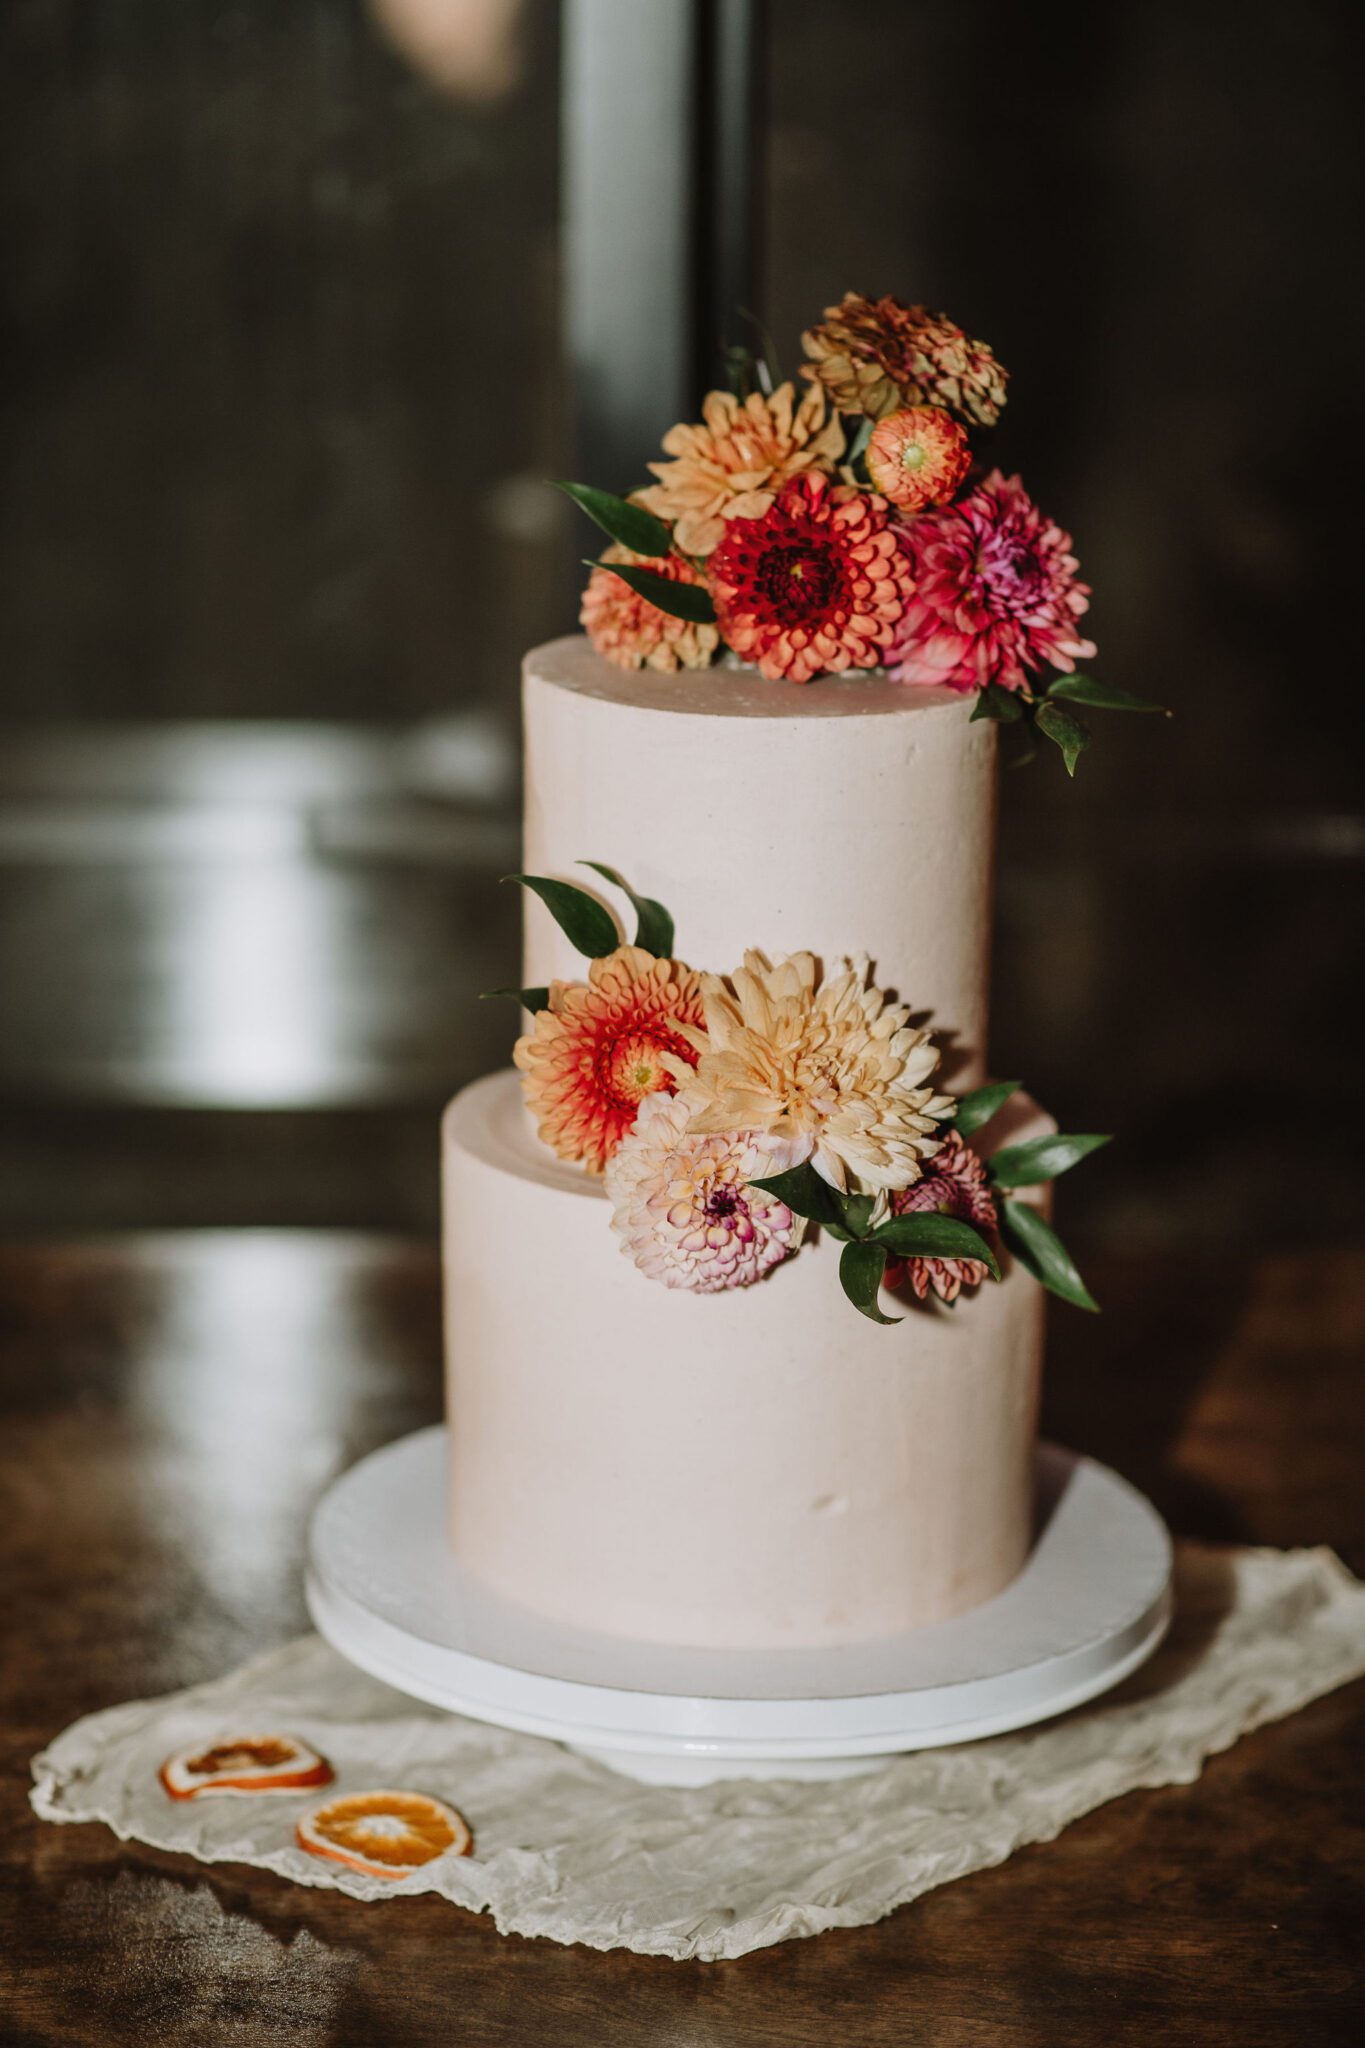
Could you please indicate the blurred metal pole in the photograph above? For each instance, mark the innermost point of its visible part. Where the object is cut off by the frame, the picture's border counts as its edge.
(729, 130)
(629, 109)
(660, 204)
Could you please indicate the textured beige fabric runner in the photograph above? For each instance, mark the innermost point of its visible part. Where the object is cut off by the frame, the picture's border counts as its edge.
(566, 1849)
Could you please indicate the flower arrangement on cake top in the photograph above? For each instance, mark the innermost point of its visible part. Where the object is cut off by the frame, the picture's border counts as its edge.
(851, 525)
(730, 1114)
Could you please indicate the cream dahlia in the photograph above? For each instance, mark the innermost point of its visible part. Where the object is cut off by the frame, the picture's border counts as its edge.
(602, 1046)
(995, 593)
(634, 633)
(875, 355)
(954, 1185)
(827, 1065)
(817, 584)
(685, 1208)
(733, 463)
(918, 457)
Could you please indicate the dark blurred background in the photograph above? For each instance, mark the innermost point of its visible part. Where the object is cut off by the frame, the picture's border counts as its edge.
(306, 299)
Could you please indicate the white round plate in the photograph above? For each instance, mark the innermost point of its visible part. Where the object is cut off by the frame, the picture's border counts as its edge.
(1091, 1603)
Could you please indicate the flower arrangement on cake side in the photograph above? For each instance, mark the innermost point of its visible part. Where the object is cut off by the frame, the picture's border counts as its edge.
(851, 526)
(728, 1115)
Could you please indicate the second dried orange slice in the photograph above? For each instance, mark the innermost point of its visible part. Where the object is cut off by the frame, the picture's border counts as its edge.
(245, 1763)
(384, 1834)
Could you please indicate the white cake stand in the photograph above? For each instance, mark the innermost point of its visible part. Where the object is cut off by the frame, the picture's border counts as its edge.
(1091, 1603)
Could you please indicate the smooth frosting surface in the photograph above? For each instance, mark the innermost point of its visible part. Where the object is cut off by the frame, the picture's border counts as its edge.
(757, 1467)
(846, 815)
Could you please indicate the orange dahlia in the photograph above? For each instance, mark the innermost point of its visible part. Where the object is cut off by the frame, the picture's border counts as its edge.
(816, 585)
(918, 457)
(876, 355)
(731, 465)
(594, 1055)
(634, 633)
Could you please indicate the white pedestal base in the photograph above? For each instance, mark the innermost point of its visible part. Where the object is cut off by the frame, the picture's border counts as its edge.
(1092, 1602)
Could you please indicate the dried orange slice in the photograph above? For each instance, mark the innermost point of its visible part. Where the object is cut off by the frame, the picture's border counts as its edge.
(384, 1834)
(245, 1763)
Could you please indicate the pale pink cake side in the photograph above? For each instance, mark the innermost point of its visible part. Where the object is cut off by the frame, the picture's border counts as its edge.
(763, 1466)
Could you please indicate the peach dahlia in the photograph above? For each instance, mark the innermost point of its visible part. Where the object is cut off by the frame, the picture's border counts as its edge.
(816, 585)
(590, 1060)
(732, 464)
(828, 1064)
(634, 633)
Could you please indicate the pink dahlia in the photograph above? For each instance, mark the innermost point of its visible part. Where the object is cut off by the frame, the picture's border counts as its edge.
(684, 1207)
(954, 1184)
(817, 584)
(996, 593)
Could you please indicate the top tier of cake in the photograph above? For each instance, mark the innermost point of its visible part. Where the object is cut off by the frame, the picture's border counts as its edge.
(847, 815)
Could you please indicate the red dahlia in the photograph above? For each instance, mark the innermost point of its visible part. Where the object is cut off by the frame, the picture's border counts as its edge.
(817, 584)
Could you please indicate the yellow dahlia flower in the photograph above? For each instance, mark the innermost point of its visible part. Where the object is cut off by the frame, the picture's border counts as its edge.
(732, 464)
(827, 1063)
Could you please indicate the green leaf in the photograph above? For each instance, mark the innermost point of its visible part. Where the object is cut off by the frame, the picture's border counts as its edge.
(1104, 696)
(858, 445)
(1004, 706)
(1041, 1252)
(532, 999)
(654, 926)
(1064, 730)
(585, 923)
(1039, 1159)
(629, 524)
(861, 1267)
(679, 600)
(855, 1212)
(980, 1105)
(772, 367)
(925, 1234)
(807, 1194)
(740, 370)
(810, 1195)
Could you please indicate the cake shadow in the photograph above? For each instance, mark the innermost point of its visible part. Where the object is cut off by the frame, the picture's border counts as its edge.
(953, 1054)
(1125, 1386)
(1053, 1479)
(1204, 1596)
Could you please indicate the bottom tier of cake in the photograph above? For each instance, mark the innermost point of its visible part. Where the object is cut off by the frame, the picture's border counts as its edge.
(759, 1468)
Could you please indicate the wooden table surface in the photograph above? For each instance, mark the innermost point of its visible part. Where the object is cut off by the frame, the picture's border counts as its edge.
(174, 1405)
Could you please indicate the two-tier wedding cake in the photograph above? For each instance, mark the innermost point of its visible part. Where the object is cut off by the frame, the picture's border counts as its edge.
(746, 1254)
